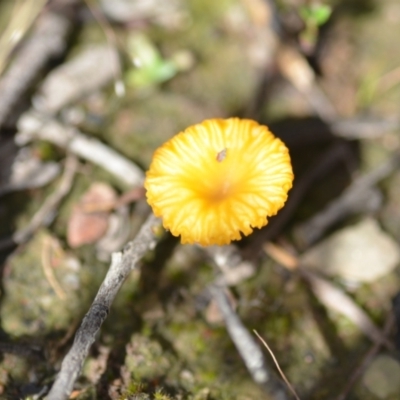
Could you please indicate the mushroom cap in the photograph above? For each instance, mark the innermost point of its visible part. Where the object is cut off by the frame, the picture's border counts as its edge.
(218, 179)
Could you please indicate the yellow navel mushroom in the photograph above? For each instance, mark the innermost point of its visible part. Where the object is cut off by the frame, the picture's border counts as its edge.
(218, 179)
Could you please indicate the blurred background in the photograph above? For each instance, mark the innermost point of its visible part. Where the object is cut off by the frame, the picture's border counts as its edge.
(88, 91)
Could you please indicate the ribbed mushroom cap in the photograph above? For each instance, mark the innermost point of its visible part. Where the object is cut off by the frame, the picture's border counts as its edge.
(219, 179)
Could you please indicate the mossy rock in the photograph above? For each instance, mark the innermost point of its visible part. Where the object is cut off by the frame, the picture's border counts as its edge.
(46, 289)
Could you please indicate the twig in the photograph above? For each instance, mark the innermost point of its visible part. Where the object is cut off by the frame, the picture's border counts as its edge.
(26, 171)
(330, 296)
(313, 131)
(325, 163)
(44, 216)
(369, 356)
(48, 270)
(121, 265)
(21, 19)
(291, 388)
(364, 127)
(85, 73)
(47, 41)
(233, 269)
(248, 349)
(296, 69)
(113, 41)
(33, 125)
(360, 196)
(337, 300)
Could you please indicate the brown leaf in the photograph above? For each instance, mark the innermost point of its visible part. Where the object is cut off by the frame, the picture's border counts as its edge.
(89, 218)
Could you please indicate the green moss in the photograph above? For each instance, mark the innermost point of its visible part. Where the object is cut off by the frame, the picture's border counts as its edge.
(146, 360)
(13, 369)
(31, 304)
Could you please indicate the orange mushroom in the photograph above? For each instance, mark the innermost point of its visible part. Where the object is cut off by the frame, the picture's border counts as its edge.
(218, 179)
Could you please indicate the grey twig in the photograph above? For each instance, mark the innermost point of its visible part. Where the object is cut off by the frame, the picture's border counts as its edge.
(329, 295)
(367, 359)
(337, 300)
(47, 40)
(364, 127)
(33, 125)
(44, 216)
(360, 196)
(90, 70)
(121, 265)
(247, 347)
(234, 269)
(296, 69)
(325, 163)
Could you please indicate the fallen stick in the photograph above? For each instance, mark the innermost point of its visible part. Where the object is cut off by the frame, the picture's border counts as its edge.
(122, 264)
(360, 196)
(47, 41)
(45, 215)
(330, 295)
(33, 125)
(247, 347)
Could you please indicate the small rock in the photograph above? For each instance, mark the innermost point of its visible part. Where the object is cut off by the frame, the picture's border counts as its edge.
(382, 378)
(359, 253)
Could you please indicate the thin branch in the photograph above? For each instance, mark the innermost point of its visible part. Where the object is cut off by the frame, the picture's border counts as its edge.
(48, 270)
(325, 163)
(297, 70)
(88, 71)
(369, 356)
(48, 40)
(121, 265)
(360, 196)
(291, 388)
(45, 215)
(337, 300)
(33, 125)
(114, 42)
(232, 267)
(330, 295)
(364, 127)
(248, 349)
(23, 15)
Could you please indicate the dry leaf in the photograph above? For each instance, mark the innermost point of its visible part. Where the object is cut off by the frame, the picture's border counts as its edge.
(89, 219)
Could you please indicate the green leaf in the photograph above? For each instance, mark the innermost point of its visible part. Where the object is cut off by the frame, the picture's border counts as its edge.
(315, 14)
(322, 14)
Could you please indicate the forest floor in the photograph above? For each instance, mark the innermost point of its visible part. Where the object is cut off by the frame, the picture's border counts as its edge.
(89, 90)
